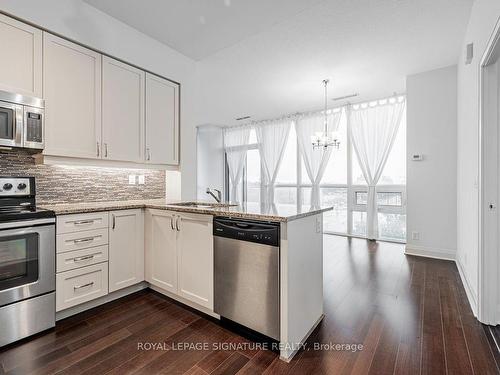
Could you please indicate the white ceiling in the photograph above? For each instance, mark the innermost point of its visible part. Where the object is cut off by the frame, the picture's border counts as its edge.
(266, 58)
(198, 28)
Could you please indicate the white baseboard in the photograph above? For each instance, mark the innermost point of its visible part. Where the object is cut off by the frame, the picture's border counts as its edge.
(430, 252)
(288, 356)
(100, 301)
(471, 296)
(184, 301)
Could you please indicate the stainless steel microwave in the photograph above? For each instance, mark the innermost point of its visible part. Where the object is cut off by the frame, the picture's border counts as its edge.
(22, 121)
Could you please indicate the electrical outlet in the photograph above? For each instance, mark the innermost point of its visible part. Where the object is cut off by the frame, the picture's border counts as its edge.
(415, 235)
(131, 179)
(141, 179)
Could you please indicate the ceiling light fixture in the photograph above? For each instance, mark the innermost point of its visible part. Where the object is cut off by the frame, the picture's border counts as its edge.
(323, 139)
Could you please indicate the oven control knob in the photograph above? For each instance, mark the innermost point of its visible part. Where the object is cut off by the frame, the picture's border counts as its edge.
(7, 186)
(21, 186)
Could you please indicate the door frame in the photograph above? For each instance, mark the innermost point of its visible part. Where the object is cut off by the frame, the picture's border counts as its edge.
(488, 180)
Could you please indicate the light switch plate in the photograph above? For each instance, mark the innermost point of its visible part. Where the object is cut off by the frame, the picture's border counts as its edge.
(131, 179)
(141, 179)
(417, 157)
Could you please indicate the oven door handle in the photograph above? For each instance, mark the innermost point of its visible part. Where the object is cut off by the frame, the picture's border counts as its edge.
(28, 224)
(76, 287)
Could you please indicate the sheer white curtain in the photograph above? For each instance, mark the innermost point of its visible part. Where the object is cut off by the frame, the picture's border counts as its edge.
(373, 129)
(236, 145)
(272, 138)
(315, 160)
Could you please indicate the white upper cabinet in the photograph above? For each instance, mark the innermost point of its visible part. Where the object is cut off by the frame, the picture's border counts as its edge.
(126, 248)
(162, 121)
(72, 93)
(21, 62)
(122, 111)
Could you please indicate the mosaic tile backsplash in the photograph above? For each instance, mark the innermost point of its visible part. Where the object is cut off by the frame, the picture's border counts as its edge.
(69, 184)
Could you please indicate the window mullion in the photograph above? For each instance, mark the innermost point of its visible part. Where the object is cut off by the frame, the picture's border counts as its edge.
(299, 174)
(349, 174)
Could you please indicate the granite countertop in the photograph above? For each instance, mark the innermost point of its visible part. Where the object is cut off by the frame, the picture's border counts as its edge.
(257, 211)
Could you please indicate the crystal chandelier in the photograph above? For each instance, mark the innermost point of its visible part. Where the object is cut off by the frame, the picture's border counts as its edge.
(324, 139)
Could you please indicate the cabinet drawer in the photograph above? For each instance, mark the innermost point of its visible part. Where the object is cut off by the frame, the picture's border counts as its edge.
(80, 258)
(81, 285)
(81, 222)
(81, 240)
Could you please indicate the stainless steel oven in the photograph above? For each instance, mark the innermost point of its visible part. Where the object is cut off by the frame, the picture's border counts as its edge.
(27, 261)
(21, 121)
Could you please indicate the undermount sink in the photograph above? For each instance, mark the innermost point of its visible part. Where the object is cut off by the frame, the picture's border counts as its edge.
(203, 204)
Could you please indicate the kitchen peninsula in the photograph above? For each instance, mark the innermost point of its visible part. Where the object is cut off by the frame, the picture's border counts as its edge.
(169, 247)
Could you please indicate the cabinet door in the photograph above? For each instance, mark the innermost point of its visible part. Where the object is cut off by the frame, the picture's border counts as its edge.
(126, 248)
(162, 121)
(122, 111)
(195, 259)
(21, 62)
(72, 92)
(161, 252)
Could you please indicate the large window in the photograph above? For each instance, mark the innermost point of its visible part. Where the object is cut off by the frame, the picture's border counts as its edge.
(343, 185)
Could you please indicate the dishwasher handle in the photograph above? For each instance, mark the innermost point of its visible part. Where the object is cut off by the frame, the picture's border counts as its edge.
(258, 232)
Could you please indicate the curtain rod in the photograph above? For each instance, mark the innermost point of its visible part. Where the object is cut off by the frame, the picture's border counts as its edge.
(294, 115)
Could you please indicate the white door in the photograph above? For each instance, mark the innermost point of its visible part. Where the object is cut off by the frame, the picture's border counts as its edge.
(161, 249)
(126, 248)
(21, 62)
(195, 259)
(162, 121)
(122, 111)
(72, 93)
(489, 189)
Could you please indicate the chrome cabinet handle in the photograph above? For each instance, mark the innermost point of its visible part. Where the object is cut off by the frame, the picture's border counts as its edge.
(114, 221)
(76, 287)
(98, 149)
(83, 222)
(81, 240)
(172, 222)
(148, 154)
(177, 224)
(105, 150)
(81, 259)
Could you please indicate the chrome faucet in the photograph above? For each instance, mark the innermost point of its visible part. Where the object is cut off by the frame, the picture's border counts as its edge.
(218, 198)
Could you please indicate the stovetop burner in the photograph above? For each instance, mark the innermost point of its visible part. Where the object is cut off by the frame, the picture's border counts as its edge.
(18, 200)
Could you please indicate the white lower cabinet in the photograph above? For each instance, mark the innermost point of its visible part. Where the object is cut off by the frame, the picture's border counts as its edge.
(170, 250)
(81, 285)
(195, 256)
(161, 252)
(126, 248)
(81, 258)
(179, 254)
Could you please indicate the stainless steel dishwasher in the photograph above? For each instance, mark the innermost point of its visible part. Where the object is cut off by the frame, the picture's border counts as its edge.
(247, 274)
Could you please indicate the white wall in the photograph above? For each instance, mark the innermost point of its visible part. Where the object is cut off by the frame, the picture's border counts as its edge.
(431, 183)
(78, 21)
(484, 15)
(210, 160)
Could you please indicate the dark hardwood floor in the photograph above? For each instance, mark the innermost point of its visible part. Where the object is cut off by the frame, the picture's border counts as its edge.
(410, 314)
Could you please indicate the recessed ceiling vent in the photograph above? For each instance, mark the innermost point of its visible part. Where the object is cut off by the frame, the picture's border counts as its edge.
(243, 118)
(469, 53)
(345, 97)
